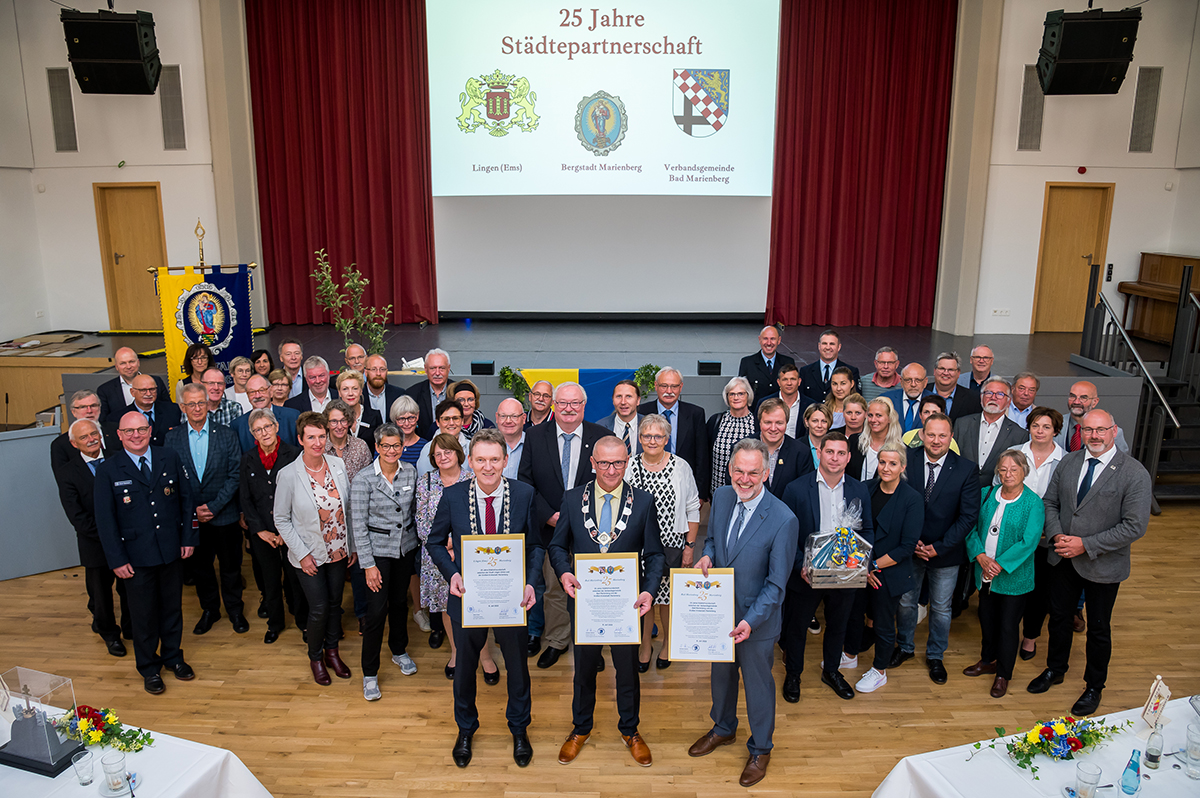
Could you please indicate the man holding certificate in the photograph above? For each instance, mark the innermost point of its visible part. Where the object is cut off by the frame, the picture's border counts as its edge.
(496, 554)
(607, 524)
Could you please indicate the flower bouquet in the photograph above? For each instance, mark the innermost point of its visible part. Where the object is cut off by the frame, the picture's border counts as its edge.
(1060, 738)
(101, 727)
(841, 557)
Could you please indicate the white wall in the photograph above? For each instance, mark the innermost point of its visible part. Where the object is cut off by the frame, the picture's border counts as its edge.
(24, 291)
(1185, 231)
(1089, 131)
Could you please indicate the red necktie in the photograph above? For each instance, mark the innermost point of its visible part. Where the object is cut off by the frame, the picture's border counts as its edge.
(489, 525)
(1076, 439)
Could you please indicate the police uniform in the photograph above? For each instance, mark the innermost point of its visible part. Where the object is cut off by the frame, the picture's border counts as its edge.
(144, 523)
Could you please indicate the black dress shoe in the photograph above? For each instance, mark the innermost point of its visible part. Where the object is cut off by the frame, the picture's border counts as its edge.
(1028, 655)
(183, 672)
(462, 749)
(271, 636)
(534, 645)
(899, 657)
(154, 685)
(116, 647)
(522, 750)
(643, 666)
(838, 684)
(492, 678)
(449, 671)
(207, 619)
(262, 611)
(791, 689)
(550, 656)
(937, 671)
(436, 638)
(1045, 681)
(662, 664)
(1088, 702)
(240, 624)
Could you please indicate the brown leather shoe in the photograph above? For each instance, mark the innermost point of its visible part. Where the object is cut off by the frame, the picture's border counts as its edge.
(320, 675)
(710, 742)
(999, 687)
(637, 746)
(335, 664)
(755, 770)
(979, 668)
(570, 748)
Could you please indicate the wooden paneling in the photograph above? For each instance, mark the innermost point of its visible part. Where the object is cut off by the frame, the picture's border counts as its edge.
(129, 221)
(35, 383)
(1075, 221)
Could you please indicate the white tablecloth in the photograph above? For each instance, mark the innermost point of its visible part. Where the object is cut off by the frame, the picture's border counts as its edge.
(949, 774)
(171, 768)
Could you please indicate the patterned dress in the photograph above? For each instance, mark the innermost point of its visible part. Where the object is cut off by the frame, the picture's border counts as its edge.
(677, 501)
(354, 454)
(435, 592)
(730, 430)
(332, 515)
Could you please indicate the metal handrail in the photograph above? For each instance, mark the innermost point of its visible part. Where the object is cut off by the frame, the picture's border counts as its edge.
(1112, 315)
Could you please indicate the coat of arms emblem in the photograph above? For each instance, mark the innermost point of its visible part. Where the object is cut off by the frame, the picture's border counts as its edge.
(506, 100)
(206, 315)
(600, 122)
(701, 101)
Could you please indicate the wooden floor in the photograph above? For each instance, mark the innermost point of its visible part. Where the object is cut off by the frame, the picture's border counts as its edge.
(301, 739)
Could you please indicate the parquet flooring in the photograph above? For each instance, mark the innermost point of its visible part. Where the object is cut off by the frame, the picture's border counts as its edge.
(301, 739)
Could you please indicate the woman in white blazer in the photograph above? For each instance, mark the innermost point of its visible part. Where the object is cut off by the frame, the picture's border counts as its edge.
(312, 514)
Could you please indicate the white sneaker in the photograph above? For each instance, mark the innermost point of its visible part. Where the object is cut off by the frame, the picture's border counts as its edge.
(922, 612)
(407, 666)
(871, 681)
(371, 688)
(422, 619)
(849, 662)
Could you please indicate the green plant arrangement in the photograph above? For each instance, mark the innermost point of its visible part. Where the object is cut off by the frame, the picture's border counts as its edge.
(1059, 738)
(514, 382)
(345, 303)
(644, 377)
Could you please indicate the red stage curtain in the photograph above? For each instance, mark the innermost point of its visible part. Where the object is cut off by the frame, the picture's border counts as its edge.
(340, 97)
(860, 161)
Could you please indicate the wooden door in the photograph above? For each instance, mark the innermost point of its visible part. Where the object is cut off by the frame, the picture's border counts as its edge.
(1075, 219)
(129, 220)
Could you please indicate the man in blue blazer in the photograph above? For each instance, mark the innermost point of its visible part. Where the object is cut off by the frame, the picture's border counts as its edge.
(213, 459)
(689, 436)
(608, 515)
(463, 510)
(258, 391)
(950, 486)
(754, 533)
(143, 517)
(787, 457)
(814, 377)
(906, 400)
(817, 501)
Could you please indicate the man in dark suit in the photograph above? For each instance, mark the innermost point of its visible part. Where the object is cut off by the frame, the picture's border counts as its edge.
(950, 486)
(960, 401)
(906, 400)
(689, 436)
(762, 368)
(752, 532)
(814, 377)
(1082, 398)
(318, 392)
(163, 414)
(430, 392)
(212, 456)
(608, 515)
(790, 394)
(117, 394)
(258, 391)
(1097, 505)
(787, 458)
(985, 436)
(487, 504)
(818, 501)
(379, 394)
(557, 457)
(624, 420)
(143, 517)
(83, 404)
(76, 490)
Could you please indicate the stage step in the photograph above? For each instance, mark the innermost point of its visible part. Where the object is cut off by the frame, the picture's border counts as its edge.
(1177, 492)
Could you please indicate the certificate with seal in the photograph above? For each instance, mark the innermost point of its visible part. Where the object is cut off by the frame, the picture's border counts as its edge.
(493, 572)
(702, 615)
(609, 585)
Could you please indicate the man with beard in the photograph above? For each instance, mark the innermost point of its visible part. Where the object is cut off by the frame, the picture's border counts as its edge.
(983, 437)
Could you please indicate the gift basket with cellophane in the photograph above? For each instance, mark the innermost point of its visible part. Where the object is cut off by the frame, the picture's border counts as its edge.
(839, 557)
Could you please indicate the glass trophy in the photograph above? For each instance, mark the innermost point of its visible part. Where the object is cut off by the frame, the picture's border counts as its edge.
(31, 701)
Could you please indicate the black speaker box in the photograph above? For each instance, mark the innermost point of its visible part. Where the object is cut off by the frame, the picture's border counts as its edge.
(112, 53)
(1087, 52)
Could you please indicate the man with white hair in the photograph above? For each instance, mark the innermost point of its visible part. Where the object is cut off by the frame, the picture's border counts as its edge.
(320, 390)
(510, 420)
(355, 358)
(117, 394)
(83, 404)
(983, 437)
(431, 391)
(981, 369)
(762, 368)
(689, 430)
(1024, 396)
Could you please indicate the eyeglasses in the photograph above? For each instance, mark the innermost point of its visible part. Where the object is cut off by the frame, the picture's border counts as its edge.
(738, 393)
(341, 422)
(609, 465)
(510, 416)
(1095, 430)
(572, 405)
(670, 386)
(264, 429)
(912, 380)
(653, 438)
(982, 357)
(946, 369)
(193, 405)
(92, 406)
(151, 389)
(996, 394)
(448, 419)
(389, 447)
(539, 395)
(135, 430)
(405, 419)
(211, 383)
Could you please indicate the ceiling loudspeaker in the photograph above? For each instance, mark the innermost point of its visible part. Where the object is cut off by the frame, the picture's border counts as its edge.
(112, 53)
(1087, 52)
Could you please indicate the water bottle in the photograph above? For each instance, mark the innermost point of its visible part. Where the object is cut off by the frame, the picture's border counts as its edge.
(1154, 747)
(1131, 779)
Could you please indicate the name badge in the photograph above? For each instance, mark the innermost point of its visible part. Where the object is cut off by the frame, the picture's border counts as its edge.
(123, 482)
(406, 489)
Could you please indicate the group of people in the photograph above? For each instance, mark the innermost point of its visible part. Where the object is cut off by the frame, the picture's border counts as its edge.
(960, 485)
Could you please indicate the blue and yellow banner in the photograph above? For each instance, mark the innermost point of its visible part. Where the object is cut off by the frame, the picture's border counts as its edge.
(209, 306)
(598, 383)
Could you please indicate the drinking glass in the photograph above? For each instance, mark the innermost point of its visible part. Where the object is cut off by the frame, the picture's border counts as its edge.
(84, 764)
(1087, 779)
(1191, 755)
(114, 771)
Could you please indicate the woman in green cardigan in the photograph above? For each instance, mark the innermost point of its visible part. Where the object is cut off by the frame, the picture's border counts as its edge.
(1002, 545)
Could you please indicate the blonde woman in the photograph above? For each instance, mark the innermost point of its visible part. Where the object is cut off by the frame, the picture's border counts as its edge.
(882, 428)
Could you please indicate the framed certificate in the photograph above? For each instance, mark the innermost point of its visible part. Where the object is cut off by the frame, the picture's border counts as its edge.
(701, 615)
(609, 585)
(493, 572)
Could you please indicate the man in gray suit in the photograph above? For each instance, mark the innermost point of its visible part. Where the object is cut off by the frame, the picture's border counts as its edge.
(755, 533)
(1097, 504)
(623, 420)
(983, 437)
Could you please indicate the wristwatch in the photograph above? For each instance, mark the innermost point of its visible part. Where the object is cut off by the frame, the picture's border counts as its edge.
(687, 544)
